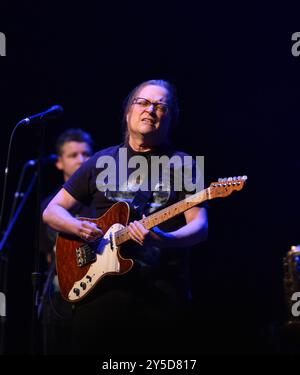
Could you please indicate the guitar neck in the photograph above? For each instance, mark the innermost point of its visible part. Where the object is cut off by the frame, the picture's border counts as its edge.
(165, 214)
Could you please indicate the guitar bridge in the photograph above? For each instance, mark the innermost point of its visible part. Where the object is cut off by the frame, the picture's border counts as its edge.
(85, 255)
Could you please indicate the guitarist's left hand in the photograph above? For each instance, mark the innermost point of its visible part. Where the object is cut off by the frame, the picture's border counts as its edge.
(146, 237)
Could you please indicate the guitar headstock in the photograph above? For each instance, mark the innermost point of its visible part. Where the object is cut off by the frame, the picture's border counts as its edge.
(225, 186)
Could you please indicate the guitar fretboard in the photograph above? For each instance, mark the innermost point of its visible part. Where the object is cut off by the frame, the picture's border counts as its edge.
(165, 214)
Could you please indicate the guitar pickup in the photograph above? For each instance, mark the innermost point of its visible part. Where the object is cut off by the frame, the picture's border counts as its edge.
(85, 255)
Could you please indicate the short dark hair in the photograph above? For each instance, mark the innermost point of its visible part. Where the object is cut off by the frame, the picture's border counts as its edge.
(73, 135)
(173, 101)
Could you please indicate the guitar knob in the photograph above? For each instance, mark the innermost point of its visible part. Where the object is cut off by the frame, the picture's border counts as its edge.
(83, 285)
(76, 291)
(88, 277)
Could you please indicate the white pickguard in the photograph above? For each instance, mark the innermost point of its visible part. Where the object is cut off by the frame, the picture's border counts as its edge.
(107, 261)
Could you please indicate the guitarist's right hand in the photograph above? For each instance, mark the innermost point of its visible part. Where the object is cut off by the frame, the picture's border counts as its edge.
(89, 231)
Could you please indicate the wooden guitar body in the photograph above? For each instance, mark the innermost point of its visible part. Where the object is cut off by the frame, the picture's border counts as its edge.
(76, 278)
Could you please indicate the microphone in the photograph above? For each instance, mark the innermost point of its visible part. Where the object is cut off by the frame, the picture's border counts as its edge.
(49, 159)
(51, 113)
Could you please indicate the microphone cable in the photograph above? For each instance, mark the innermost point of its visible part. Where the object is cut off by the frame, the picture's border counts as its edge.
(6, 174)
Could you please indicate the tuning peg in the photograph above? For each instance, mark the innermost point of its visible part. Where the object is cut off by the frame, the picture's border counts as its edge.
(219, 179)
(229, 179)
(234, 178)
(244, 178)
(224, 182)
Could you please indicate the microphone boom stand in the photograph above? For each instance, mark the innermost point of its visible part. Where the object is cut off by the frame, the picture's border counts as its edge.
(40, 118)
(4, 260)
(36, 275)
(17, 213)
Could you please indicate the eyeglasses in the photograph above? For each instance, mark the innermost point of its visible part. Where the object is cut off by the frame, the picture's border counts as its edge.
(144, 103)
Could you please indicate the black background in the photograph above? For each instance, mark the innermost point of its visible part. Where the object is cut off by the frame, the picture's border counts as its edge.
(238, 85)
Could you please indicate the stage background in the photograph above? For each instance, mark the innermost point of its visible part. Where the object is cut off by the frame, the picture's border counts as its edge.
(238, 86)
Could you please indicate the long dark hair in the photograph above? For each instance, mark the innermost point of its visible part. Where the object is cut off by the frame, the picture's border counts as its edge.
(172, 101)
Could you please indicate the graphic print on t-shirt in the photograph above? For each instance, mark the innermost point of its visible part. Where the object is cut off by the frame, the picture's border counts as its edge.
(127, 191)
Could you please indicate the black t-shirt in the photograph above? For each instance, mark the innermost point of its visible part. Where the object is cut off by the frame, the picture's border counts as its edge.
(105, 168)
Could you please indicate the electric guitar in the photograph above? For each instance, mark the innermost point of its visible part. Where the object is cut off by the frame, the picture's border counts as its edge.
(81, 265)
